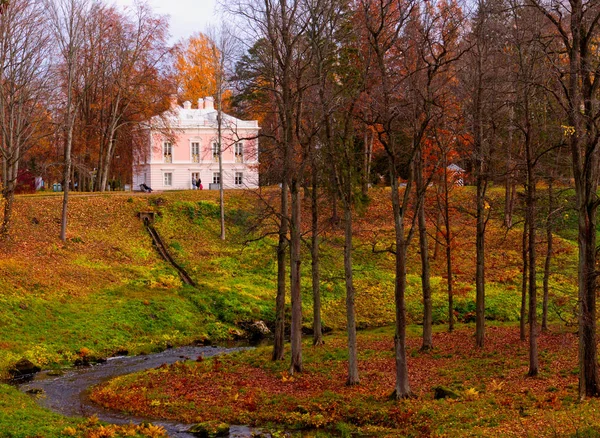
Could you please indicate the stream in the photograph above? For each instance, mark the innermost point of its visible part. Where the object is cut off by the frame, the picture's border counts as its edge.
(68, 394)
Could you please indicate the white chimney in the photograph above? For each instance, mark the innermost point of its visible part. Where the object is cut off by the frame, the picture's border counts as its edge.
(187, 105)
(200, 103)
(209, 103)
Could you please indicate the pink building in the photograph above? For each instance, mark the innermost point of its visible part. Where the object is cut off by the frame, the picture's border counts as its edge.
(182, 148)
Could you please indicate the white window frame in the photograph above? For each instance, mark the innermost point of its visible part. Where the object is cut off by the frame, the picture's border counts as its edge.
(238, 179)
(215, 152)
(167, 152)
(167, 179)
(239, 152)
(195, 154)
(216, 178)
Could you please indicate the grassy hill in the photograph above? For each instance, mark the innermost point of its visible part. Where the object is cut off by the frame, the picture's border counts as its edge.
(106, 290)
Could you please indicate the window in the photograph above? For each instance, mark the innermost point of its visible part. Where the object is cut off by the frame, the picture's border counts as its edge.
(168, 179)
(216, 178)
(215, 151)
(239, 152)
(167, 152)
(195, 178)
(239, 178)
(195, 152)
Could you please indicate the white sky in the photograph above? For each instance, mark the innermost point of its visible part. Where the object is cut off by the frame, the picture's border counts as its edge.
(186, 16)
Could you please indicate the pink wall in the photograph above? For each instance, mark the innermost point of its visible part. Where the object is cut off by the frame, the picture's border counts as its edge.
(182, 145)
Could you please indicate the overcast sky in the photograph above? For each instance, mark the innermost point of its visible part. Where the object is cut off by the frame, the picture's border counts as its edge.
(186, 16)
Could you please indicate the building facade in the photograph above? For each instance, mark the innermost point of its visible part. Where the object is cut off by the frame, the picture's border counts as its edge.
(182, 148)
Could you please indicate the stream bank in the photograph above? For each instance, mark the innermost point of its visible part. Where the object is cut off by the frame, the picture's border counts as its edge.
(68, 394)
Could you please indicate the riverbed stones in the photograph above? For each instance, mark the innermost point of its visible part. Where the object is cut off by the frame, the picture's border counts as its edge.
(209, 430)
(35, 392)
(260, 327)
(24, 367)
(256, 330)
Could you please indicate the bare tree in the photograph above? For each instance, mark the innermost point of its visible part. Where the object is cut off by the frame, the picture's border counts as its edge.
(436, 35)
(575, 27)
(528, 103)
(67, 18)
(24, 90)
(482, 72)
(384, 24)
(135, 51)
(340, 82)
(223, 48)
(280, 26)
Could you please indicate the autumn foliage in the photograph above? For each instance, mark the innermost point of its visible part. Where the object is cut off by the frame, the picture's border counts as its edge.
(492, 396)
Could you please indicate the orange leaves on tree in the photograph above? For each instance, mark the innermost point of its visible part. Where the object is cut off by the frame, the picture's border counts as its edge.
(195, 68)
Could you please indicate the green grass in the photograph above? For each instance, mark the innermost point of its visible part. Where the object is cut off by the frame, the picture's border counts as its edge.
(21, 417)
(141, 305)
(52, 331)
(106, 290)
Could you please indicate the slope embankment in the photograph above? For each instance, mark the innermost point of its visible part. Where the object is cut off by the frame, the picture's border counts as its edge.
(107, 290)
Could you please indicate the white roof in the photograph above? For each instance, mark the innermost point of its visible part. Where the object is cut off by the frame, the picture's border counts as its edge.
(455, 168)
(187, 117)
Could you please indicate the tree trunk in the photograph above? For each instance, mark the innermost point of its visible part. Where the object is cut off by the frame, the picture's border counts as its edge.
(510, 188)
(67, 182)
(80, 181)
(350, 311)
(448, 241)
(221, 181)
(368, 151)
(549, 250)
(314, 254)
(481, 177)
(295, 292)
(279, 340)
(9, 200)
(524, 259)
(585, 172)
(509, 183)
(480, 264)
(439, 235)
(109, 151)
(533, 329)
(9, 176)
(588, 384)
(334, 211)
(424, 248)
(402, 388)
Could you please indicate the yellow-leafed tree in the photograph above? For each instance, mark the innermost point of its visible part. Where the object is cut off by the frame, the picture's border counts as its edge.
(195, 68)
